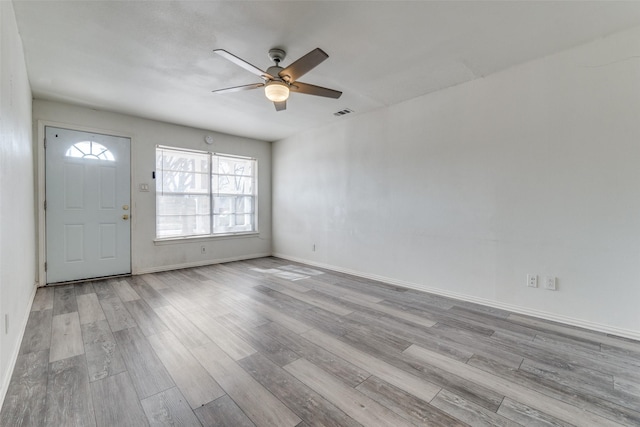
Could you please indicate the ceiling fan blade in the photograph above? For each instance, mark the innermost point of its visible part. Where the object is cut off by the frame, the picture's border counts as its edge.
(239, 88)
(280, 106)
(303, 65)
(308, 89)
(244, 64)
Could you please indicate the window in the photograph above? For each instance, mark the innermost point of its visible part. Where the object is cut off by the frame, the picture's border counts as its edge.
(89, 150)
(201, 194)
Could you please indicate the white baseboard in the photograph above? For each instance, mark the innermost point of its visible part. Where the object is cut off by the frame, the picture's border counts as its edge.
(598, 327)
(200, 263)
(14, 356)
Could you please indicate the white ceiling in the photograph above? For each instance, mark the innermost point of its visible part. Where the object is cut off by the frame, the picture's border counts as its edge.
(153, 58)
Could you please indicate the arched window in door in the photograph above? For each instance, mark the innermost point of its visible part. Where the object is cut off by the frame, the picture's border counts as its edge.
(90, 150)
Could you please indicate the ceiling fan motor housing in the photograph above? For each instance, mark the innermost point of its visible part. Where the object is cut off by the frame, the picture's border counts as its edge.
(274, 70)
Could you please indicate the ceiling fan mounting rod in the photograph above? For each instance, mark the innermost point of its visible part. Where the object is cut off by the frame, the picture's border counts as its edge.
(277, 55)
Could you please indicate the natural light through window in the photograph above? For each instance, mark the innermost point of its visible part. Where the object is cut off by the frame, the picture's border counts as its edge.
(201, 193)
(90, 150)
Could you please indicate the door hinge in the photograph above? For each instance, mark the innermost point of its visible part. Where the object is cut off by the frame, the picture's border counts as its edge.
(45, 205)
(45, 266)
(45, 143)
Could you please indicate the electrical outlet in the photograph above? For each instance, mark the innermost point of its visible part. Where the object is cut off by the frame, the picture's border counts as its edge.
(203, 250)
(313, 249)
(532, 280)
(550, 283)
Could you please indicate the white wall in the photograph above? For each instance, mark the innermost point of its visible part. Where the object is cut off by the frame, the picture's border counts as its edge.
(145, 135)
(17, 220)
(465, 191)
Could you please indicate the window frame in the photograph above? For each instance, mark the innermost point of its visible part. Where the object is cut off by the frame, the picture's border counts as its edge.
(159, 240)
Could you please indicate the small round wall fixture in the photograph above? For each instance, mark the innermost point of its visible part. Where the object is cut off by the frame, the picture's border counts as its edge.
(208, 139)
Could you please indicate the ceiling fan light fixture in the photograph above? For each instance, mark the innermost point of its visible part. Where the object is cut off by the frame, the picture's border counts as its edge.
(276, 91)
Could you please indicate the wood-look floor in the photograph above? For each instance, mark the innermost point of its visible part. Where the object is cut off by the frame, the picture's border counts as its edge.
(268, 342)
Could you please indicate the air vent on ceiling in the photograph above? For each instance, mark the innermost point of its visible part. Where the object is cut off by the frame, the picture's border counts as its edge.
(343, 112)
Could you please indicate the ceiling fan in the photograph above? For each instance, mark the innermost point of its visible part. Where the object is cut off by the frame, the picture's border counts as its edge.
(278, 81)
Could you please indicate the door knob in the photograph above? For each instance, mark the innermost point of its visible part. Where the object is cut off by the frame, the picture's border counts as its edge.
(125, 216)
(125, 207)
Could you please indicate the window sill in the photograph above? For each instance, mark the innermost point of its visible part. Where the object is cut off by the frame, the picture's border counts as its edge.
(183, 240)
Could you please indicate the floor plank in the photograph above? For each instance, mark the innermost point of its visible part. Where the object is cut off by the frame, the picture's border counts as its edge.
(84, 288)
(169, 408)
(103, 359)
(406, 405)
(389, 373)
(527, 416)
(315, 300)
(104, 290)
(153, 281)
(181, 327)
(66, 336)
(124, 291)
(627, 386)
(24, 404)
(232, 344)
(390, 311)
(469, 412)
(348, 372)
(223, 412)
(37, 335)
(259, 405)
(309, 405)
(64, 300)
(98, 331)
(116, 402)
(194, 382)
(146, 292)
(265, 344)
(117, 315)
(144, 316)
(355, 404)
(148, 374)
(69, 400)
(43, 299)
(89, 308)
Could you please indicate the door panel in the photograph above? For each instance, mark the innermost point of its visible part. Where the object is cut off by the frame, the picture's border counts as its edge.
(87, 194)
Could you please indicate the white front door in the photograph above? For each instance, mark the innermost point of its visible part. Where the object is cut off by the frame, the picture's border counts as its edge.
(87, 205)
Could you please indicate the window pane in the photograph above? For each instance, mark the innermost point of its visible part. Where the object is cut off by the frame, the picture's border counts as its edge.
(182, 215)
(183, 161)
(182, 182)
(234, 166)
(179, 172)
(232, 223)
(225, 184)
(183, 225)
(232, 204)
(90, 150)
(181, 204)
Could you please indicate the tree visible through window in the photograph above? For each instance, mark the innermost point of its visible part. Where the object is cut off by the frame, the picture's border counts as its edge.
(200, 193)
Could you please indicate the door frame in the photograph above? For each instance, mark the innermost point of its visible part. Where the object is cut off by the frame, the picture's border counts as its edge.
(41, 274)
